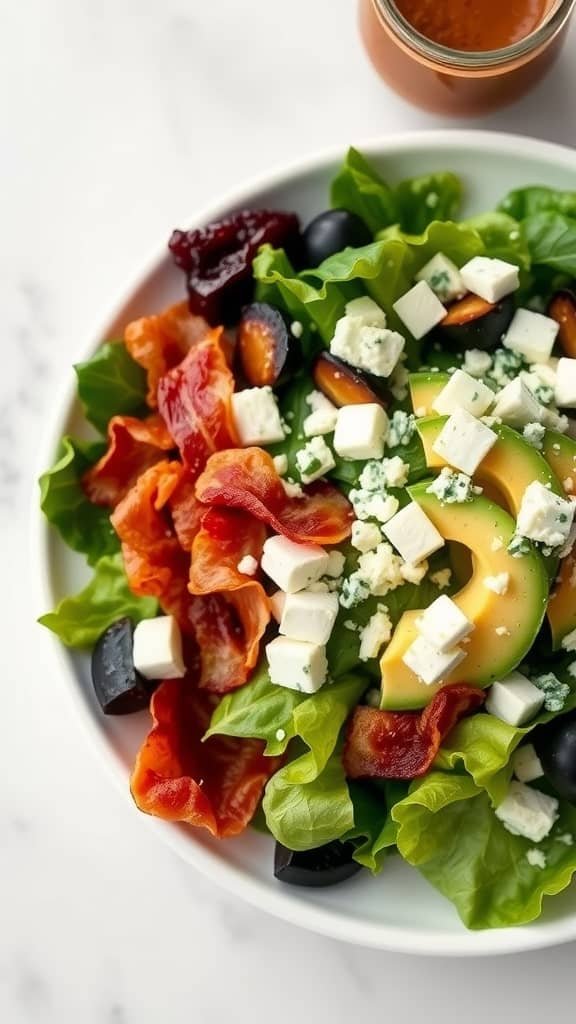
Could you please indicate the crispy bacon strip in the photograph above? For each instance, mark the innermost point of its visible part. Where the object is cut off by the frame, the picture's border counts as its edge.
(194, 400)
(186, 511)
(159, 343)
(133, 446)
(403, 745)
(215, 785)
(246, 479)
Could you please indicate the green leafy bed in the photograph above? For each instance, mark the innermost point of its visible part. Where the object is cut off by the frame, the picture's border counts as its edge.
(444, 824)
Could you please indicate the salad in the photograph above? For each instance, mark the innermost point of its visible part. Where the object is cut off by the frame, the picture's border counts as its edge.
(328, 509)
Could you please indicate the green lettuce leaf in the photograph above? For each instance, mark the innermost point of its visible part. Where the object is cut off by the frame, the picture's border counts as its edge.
(258, 710)
(80, 620)
(111, 384)
(551, 240)
(502, 237)
(459, 242)
(525, 202)
(83, 526)
(447, 829)
(419, 201)
(374, 831)
(359, 189)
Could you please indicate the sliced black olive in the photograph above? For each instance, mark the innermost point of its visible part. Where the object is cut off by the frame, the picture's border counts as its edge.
(331, 232)
(562, 308)
(341, 384)
(326, 865)
(120, 689)
(555, 745)
(263, 344)
(474, 323)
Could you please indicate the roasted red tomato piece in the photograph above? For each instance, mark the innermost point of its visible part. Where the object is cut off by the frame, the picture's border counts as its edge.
(217, 259)
(133, 446)
(403, 745)
(246, 479)
(562, 308)
(194, 400)
(160, 342)
(215, 785)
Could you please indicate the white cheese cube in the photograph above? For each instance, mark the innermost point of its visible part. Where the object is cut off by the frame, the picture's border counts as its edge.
(464, 441)
(443, 277)
(157, 648)
(491, 279)
(476, 362)
(371, 314)
(413, 534)
(565, 385)
(420, 310)
(516, 405)
(277, 602)
(361, 431)
(371, 348)
(336, 562)
(375, 633)
(365, 536)
(443, 624)
(293, 566)
(280, 464)
(463, 392)
(526, 764)
(248, 565)
(532, 335)
(430, 664)
(527, 812)
(544, 516)
(314, 460)
(309, 616)
(296, 664)
(256, 417)
(322, 418)
(514, 700)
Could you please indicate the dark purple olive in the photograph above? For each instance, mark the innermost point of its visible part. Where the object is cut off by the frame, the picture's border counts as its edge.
(120, 689)
(263, 344)
(474, 323)
(341, 384)
(326, 865)
(556, 747)
(331, 232)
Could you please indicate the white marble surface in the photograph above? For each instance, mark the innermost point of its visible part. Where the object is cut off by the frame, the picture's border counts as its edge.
(116, 119)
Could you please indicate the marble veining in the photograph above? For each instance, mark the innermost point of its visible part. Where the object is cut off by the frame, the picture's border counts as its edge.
(117, 119)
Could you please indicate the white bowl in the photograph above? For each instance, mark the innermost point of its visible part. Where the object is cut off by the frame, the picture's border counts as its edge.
(397, 911)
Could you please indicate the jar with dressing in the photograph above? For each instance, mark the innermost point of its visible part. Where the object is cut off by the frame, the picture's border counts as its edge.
(463, 57)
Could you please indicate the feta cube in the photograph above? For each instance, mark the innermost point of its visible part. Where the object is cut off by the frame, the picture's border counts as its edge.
(531, 335)
(365, 536)
(361, 431)
(565, 387)
(497, 584)
(476, 362)
(463, 392)
(443, 277)
(430, 664)
(375, 633)
(322, 418)
(277, 602)
(157, 648)
(309, 616)
(464, 441)
(544, 516)
(280, 464)
(293, 566)
(314, 460)
(371, 314)
(491, 279)
(367, 347)
(296, 664)
(256, 417)
(526, 764)
(516, 405)
(514, 700)
(420, 310)
(336, 563)
(443, 624)
(248, 565)
(527, 812)
(413, 534)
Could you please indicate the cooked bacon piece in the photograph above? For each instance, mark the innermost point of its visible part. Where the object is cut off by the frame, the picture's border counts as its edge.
(186, 511)
(403, 745)
(158, 343)
(215, 785)
(246, 479)
(133, 446)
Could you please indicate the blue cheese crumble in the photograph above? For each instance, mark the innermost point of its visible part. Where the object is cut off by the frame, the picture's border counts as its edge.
(402, 428)
(536, 858)
(534, 434)
(555, 692)
(518, 546)
(452, 488)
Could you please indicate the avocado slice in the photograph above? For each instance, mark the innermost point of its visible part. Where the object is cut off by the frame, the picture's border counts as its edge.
(560, 453)
(424, 388)
(489, 655)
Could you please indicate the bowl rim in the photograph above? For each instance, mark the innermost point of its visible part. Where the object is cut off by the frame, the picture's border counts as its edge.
(281, 903)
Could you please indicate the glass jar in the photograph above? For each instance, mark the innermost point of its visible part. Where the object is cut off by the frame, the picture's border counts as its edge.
(458, 82)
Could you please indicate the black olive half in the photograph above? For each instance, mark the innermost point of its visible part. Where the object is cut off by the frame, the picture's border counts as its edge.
(331, 232)
(326, 865)
(555, 745)
(474, 323)
(120, 689)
